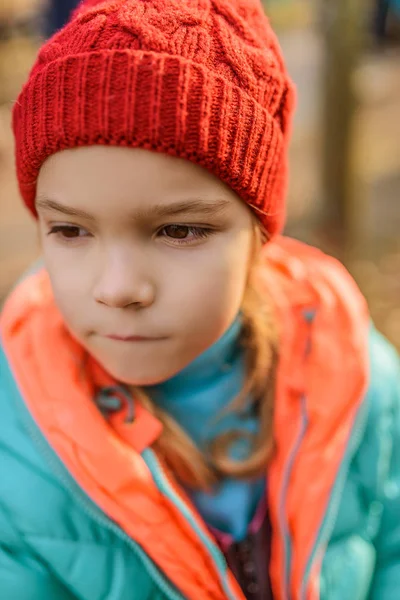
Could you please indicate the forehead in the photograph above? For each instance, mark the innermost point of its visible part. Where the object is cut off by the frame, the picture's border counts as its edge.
(97, 177)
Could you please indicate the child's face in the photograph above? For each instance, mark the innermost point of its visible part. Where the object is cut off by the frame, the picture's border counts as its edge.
(148, 256)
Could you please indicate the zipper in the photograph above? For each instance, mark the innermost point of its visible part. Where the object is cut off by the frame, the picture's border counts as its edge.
(95, 513)
(283, 525)
(308, 317)
(166, 488)
(328, 524)
(87, 505)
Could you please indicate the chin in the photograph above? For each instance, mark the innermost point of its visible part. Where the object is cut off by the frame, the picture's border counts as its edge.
(142, 380)
(141, 369)
(141, 377)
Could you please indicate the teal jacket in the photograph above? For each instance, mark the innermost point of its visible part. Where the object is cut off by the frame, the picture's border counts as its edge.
(56, 542)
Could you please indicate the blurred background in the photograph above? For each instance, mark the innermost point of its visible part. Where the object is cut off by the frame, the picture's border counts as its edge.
(344, 56)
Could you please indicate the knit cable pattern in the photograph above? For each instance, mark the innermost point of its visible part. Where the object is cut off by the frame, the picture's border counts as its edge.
(198, 79)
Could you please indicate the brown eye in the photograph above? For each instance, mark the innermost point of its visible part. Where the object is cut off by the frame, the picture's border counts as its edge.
(184, 234)
(68, 232)
(177, 232)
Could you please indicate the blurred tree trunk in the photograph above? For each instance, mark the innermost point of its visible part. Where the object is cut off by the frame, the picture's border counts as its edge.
(380, 19)
(343, 23)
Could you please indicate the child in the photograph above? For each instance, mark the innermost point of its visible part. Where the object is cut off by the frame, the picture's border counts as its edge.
(192, 407)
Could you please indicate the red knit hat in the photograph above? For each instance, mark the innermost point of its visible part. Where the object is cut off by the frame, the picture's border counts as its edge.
(198, 79)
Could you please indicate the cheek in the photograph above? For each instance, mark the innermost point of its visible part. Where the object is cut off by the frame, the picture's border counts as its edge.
(228, 285)
(68, 302)
(69, 268)
(68, 289)
(212, 289)
(230, 267)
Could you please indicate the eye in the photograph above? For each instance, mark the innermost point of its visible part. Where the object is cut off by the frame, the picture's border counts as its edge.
(68, 232)
(178, 232)
(184, 233)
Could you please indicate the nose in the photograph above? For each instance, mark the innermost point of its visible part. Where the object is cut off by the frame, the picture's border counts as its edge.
(124, 282)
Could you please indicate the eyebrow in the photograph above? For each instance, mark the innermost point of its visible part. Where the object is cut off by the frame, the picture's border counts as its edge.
(48, 204)
(195, 205)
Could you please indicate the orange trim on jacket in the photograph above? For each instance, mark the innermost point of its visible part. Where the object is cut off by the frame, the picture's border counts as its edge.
(323, 362)
(326, 363)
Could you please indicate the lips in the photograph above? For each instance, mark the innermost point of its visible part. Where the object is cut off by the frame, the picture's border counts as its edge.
(132, 338)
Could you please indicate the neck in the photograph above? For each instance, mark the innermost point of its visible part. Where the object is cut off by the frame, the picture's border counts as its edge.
(198, 393)
(195, 398)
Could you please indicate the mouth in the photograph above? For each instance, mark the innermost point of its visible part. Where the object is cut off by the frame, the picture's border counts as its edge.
(133, 338)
